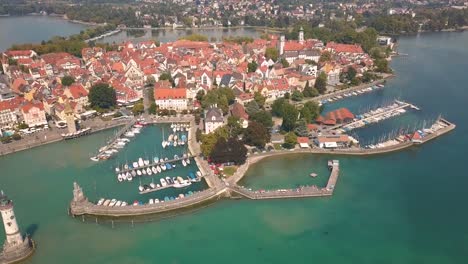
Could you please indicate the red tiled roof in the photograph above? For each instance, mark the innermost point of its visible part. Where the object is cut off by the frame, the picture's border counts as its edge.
(302, 140)
(25, 108)
(168, 93)
(344, 48)
(239, 111)
(77, 91)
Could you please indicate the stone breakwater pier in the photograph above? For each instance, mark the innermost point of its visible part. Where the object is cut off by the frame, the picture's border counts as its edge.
(218, 188)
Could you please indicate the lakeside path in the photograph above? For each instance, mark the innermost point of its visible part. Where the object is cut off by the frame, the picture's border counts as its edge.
(348, 90)
(54, 135)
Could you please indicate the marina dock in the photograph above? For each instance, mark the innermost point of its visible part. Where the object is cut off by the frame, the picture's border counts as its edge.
(373, 116)
(117, 135)
(154, 164)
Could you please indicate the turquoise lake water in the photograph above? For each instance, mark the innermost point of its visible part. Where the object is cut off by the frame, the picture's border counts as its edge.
(405, 207)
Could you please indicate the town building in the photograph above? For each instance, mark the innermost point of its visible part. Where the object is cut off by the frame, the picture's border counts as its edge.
(213, 119)
(333, 141)
(34, 114)
(171, 98)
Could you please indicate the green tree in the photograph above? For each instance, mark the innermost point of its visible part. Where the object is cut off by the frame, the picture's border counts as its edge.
(290, 115)
(256, 135)
(153, 108)
(102, 96)
(260, 99)
(252, 107)
(231, 150)
(195, 37)
(382, 66)
(262, 117)
(16, 136)
(200, 95)
(233, 126)
(321, 83)
(271, 53)
(325, 56)
(252, 66)
(209, 140)
(301, 128)
(277, 107)
(310, 111)
(67, 80)
(351, 73)
(284, 62)
(167, 76)
(290, 140)
(309, 91)
(297, 96)
(138, 108)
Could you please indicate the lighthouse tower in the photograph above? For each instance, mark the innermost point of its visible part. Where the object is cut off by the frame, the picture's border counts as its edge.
(15, 248)
(12, 232)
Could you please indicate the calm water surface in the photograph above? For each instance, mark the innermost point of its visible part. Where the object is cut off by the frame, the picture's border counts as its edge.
(406, 207)
(34, 29)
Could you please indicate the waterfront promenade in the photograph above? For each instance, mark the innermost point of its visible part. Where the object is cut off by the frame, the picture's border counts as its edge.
(224, 188)
(55, 135)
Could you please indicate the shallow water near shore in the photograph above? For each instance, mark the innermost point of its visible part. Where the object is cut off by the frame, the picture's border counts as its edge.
(403, 207)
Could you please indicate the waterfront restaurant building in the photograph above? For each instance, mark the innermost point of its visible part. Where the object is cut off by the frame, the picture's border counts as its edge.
(333, 141)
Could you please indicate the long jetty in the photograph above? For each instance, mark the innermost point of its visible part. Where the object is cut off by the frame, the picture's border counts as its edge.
(301, 192)
(117, 135)
(375, 115)
(154, 164)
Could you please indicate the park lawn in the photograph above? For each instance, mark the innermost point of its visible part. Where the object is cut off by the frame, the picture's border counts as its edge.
(229, 170)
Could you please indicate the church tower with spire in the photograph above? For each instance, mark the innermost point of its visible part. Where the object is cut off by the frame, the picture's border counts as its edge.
(301, 35)
(70, 118)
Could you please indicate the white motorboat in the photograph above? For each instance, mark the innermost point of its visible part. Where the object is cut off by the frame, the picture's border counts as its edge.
(171, 137)
(154, 170)
(141, 163)
(199, 174)
(156, 200)
(94, 158)
(106, 202)
(164, 144)
(101, 201)
(158, 168)
(152, 185)
(119, 203)
(175, 143)
(139, 172)
(151, 201)
(124, 204)
(181, 183)
(129, 134)
(126, 166)
(128, 175)
(140, 188)
(157, 185)
(188, 161)
(117, 169)
(113, 202)
(147, 162)
(163, 182)
(143, 171)
(133, 173)
(161, 160)
(120, 178)
(184, 163)
(129, 178)
(163, 167)
(149, 171)
(175, 137)
(135, 164)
